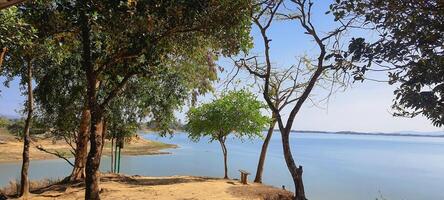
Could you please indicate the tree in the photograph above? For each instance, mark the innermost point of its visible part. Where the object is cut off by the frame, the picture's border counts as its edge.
(409, 47)
(170, 24)
(280, 95)
(157, 35)
(20, 62)
(237, 113)
(60, 99)
(328, 45)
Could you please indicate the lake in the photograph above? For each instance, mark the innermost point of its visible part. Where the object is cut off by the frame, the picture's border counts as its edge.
(336, 167)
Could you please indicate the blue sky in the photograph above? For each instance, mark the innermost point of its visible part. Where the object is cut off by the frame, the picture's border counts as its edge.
(361, 107)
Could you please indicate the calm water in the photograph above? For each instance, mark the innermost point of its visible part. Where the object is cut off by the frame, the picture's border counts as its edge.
(336, 167)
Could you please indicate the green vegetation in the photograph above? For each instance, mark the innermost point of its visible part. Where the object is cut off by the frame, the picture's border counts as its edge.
(97, 70)
(408, 46)
(236, 113)
(4, 122)
(164, 55)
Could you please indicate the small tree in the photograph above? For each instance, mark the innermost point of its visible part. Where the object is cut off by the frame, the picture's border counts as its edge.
(237, 113)
(25, 48)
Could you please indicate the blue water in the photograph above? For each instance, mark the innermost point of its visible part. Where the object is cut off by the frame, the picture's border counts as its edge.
(336, 167)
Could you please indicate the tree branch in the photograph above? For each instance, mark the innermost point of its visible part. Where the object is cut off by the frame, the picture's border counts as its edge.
(117, 90)
(56, 153)
(2, 56)
(243, 63)
(8, 3)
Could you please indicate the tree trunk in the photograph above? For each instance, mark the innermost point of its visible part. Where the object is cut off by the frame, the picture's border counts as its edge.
(260, 165)
(296, 172)
(92, 180)
(78, 172)
(104, 130)
(24, 181)
(224, 151)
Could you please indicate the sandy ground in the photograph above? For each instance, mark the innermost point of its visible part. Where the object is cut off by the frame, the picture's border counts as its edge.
(11, 149)
(165, 188)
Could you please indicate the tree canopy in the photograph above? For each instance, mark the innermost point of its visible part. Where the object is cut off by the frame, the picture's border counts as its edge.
(125, 42)
(409, 47)
(236, 112)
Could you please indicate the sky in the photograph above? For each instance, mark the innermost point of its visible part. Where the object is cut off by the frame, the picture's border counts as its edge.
(361, 107)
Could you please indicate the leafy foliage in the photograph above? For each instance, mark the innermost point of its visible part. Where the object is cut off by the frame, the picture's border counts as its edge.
(166, 51)
(4, 122)
(16, 128)
(18, 37)
(237, 112)
(409, 47)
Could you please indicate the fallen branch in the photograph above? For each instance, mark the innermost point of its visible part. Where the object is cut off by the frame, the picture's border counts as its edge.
(56, 153)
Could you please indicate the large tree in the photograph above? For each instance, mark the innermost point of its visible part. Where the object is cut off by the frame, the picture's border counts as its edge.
(408, 45)
(123, 41)
(158, 32)
(327, 44)
(237, 113)
(61, 103)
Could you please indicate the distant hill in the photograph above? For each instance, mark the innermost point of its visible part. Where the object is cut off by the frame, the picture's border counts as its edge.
(12, 117)
(401, 133)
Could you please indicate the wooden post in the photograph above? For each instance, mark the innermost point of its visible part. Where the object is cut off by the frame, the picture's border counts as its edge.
(112, 154)
(118, 163)
(119, 143)
(244, 175)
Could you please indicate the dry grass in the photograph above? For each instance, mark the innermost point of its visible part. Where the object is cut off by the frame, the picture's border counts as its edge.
(5, 136)
(13, 188)
(264, 192)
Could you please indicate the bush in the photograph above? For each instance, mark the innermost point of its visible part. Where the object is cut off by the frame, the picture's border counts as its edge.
(4, 122)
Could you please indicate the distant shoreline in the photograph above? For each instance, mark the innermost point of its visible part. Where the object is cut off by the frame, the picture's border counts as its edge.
(11, 148)
(148, 131)
(364, 133)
